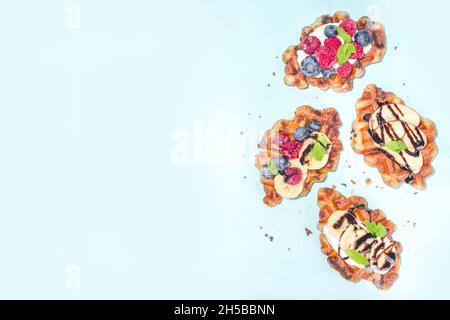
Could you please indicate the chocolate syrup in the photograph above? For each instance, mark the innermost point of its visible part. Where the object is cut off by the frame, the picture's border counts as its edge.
(305, 153)
(366, 242)
(386, 129)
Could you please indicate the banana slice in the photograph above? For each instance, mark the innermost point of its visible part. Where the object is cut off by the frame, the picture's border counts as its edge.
(350, 236)
(399, 128)
(332, 220)
(309, 161)
(287, 190)
(393, 112)
(404, 159)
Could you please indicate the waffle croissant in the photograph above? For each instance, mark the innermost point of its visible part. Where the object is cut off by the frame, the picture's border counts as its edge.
(338, 83)
(270, 149)
(392, 172)
(331, 201)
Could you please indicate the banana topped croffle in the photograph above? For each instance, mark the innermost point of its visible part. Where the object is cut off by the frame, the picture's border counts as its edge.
(394, 138)
(357, 240)
(296, 153)
(333, 51)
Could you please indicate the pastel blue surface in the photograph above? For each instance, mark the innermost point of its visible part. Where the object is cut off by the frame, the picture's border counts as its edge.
(95, 202)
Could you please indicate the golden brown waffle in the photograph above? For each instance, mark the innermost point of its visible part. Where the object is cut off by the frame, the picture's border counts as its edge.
(268, 149)
(363, 143)
(330, 201)
(294, 76)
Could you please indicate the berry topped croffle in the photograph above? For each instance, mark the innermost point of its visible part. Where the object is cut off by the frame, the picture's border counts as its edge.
(357, 240)
(333, 51)
(393, 138)
(296, 153)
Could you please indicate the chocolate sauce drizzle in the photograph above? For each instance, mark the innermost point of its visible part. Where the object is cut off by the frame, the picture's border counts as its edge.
(366, 242)
(308, 149)
(413, 134)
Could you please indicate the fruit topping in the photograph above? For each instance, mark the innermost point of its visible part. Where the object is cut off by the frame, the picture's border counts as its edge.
(310, 67)
(282, 140)
(359, 51)
(363, 37)
(345, 69)
(349, 26)
(320, 148)
(330, 31)
(311, 44)
(333, 44)
(301, 133)
(266, 172)
(326, 57)
(292, 149)
(290, 185)
(329, 73)
(282, 163)
(293, 176)
(344, 52)
(314, 125)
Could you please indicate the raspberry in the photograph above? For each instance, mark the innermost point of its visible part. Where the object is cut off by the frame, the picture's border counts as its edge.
(359, 51)
(333, 44)
(293, 176)
(311, 44)
(292, 149)
(349, 26)
(282, 140)
(326, 57)
(345, 69)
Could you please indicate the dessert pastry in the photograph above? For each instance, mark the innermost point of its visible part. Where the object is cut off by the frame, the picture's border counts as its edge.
(333, 51)
(393, 138)
(357, 240)
(296, 153)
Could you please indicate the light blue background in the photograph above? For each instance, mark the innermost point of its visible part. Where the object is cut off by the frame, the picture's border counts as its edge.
(87, 179)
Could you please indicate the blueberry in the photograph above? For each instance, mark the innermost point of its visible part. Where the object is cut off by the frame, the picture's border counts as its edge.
(301, 133)
(314, 125)
(266, 172)
(329, 73)
(330, 31)
(363, 37)
(282, 163)
(310, 67)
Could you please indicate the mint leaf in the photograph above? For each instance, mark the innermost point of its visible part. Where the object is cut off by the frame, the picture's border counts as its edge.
(344, 35)
(323, 140)
(272, 167)
(318, 151)
(357, 257)
(344, 52)
(396, 145)
(377, 229)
